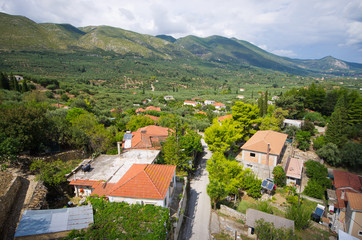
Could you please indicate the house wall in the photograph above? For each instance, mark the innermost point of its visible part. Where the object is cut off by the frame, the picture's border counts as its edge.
(157, 202)
(87, 190)
(259, 158)
(352, 219)
(258, 164)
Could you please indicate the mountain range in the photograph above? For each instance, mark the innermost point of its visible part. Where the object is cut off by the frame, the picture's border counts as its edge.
(18, 33)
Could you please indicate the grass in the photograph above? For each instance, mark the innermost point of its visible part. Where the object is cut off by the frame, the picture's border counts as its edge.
(243, 205)
(313, 233)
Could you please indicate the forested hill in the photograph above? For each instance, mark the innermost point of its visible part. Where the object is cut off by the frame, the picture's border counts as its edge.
(22, 34)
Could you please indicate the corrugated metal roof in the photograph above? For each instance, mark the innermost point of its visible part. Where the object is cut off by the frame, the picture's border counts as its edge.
(36, 222)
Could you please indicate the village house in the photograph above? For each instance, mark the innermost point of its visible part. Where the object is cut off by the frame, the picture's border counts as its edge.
(190, 103)
(149, 137)
(209, 102)
(154, 118)
(167, 98)
(293, 122)
(219, 106)
(149, 108)
(222, 118)
(240, 97)
(262, 152)
(343, 183)
(109, 168)
(143, 184)
(293, 171)
(353, 220)
(253, 215)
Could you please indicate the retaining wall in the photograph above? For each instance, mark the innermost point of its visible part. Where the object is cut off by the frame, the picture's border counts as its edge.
(232, 213)
(181, 211)
(7, 200)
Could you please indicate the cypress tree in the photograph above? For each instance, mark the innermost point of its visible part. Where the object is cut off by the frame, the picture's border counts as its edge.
(265, 104)
(336, 129)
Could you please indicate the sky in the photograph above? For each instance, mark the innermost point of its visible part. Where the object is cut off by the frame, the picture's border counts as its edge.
(304, 29)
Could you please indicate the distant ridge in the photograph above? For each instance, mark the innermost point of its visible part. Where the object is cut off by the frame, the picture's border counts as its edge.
(22, 34)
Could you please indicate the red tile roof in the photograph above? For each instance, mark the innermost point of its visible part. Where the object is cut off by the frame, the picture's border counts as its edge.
(345, 182)
(154, 118)
(149, 181)
(193, 102)
(158, 109)
(222, 118)
(219, 104)
(201, 112)
(83, 182)
(346, 179)
(149, 137)
(102, 189)
(259, 142)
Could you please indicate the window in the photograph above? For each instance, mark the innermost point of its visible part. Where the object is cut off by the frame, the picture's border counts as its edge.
(249, 166)
(252, 154)
(359, 233)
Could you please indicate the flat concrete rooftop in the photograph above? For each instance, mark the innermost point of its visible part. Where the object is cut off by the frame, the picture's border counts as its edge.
(111, 168)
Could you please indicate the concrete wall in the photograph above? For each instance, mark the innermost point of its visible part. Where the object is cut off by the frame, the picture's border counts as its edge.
(7, 200)
(181, 210)
(232, 213)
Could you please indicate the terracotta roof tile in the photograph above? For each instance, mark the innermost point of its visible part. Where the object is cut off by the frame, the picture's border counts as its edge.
(219, 104)
(149, 137)
(259, 142)
(193, 102)
(83, 182)
(154, 118)
(102, 189)
(222, 118)
(355, 201)
(346, 179)
(158, 109)
(149, 181)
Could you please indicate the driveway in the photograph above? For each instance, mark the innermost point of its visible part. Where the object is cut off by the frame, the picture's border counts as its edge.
(199, 207)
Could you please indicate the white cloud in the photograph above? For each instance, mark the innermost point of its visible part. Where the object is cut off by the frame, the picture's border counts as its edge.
(284, 53)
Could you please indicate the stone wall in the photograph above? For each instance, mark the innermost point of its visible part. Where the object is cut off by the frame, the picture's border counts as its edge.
(232, 213)
(38, 199)
(7, 200)
(181, 210)
(66, 156)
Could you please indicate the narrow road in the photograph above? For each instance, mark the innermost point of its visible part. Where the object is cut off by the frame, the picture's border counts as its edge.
(199, 207)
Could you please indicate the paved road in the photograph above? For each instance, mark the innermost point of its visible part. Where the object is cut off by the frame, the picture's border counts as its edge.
(199, 208)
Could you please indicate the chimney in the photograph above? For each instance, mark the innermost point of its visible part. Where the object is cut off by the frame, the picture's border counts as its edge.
(119, 148)
(267, 154)
(342, 195)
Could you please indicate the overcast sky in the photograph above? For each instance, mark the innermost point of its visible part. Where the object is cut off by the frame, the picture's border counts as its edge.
(306, 29)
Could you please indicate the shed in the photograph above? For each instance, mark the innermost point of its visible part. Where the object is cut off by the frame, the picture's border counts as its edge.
(253, 215)
(53, 223)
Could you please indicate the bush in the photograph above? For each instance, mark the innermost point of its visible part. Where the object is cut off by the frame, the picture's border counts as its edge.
(330, 154)
(351, 155)
(314, 189)
(279, 176)
(303, 140)
(319, 142)
(300, 215)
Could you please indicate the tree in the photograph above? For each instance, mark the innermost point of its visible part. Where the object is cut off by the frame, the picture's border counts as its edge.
(245, 116)
(336, 129)
(173, 154)
(4, 81)
(279, 176)
(355, 112)
(314, 189)
(351, 155)
(139, 121)
(266, 231)
(330, 154)
(269, 123)
(303, 140)
(300, 215)
(308, 126)
(319, 142)
(216, 191)
(223, 136)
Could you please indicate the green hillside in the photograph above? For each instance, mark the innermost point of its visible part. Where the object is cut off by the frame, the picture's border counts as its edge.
(197, 55)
